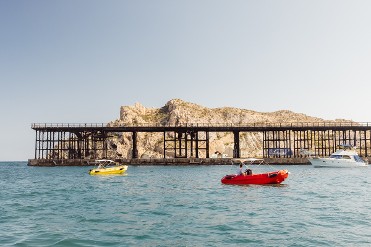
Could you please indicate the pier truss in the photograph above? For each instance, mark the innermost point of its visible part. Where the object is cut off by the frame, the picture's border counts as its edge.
(286, 140)
(191, 143)
(69, 144)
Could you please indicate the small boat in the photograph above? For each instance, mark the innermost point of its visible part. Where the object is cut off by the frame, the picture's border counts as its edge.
(247, 177)
(344, 157)
(276, 177)
(106, 167)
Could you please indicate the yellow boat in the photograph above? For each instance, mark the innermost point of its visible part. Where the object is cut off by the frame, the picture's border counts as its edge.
(106, 167)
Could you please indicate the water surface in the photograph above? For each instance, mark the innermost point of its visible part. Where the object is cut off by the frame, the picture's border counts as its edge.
(182, 206)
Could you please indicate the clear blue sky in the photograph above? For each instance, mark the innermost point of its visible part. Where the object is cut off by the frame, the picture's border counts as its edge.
(79, 61)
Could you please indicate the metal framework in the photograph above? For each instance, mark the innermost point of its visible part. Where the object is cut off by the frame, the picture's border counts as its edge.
(291, 143)
(186, 144)
(70, 145)
(89, 141)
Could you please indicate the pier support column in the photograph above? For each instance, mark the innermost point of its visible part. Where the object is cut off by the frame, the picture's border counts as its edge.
(207, 145)
(192, 135)
(164, 144)
(178, 153)
(236, 149)
(196, 135)
(135, 149)
(36, 142)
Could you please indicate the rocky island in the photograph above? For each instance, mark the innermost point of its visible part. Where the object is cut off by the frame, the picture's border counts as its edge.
(178, 112)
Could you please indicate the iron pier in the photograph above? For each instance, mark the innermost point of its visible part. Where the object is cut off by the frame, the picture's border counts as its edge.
(284, 141)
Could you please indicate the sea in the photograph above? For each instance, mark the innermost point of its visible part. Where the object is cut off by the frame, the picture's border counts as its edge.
(183, 206)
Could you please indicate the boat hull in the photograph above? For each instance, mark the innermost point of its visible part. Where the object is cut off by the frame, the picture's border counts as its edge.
(109, 171)
(336, 163)
(276, 177)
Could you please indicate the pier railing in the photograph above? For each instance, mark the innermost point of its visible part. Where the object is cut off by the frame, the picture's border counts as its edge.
(265, 124)
(72, 125)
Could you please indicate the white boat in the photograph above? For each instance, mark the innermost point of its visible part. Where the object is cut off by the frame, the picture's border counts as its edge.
(345, 157)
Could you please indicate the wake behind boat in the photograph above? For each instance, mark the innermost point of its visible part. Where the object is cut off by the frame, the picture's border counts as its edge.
(108, 167)
(247, 177)
(344, 157)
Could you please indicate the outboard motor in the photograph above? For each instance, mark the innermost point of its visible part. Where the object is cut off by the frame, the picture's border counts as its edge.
(248, 172)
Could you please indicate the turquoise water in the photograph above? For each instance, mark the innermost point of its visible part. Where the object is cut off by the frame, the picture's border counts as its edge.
(182, 206)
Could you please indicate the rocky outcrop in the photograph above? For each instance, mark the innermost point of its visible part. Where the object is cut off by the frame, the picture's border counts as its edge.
(177, 112)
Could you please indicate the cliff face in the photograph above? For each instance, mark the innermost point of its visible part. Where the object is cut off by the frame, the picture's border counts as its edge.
(177, 111)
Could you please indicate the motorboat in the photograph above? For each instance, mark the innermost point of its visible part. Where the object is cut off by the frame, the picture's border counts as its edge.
(347, 156)
(107, 167)
(275, 177)
(247, 177)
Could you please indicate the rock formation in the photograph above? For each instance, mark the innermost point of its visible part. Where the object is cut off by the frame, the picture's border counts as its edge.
(177, 111)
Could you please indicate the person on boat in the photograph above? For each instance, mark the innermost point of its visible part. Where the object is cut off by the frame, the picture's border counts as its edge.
(241, 171)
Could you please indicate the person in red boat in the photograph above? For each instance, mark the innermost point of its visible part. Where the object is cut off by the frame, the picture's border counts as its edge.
(241, 171)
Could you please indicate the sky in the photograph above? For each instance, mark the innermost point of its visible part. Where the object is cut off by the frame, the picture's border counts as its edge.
(68, 61)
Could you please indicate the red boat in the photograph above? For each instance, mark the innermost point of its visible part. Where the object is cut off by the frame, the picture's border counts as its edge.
(276, 177)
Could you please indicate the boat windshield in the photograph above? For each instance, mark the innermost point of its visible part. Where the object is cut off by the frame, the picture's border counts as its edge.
(357, 158)
(337, 156)
(105, 163)
(348, 156)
